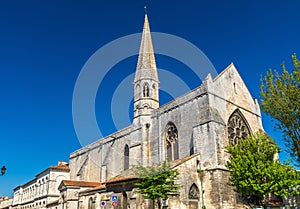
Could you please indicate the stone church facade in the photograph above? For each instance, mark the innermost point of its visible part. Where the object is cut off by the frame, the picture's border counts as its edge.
(192, 131)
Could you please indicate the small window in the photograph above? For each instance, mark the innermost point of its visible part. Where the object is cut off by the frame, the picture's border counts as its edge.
(194, 192)
(91, 203)
(126, 157)
(146, 92)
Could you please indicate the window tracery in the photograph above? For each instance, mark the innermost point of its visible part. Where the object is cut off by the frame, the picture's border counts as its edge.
(171, 136)
(237, 127)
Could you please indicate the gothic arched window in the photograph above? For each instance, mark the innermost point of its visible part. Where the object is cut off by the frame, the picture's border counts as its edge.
(146, 90)
(194, 192)
(154, 90)
(172, 142)
(137, 90)
(237, 127)
(126, 157)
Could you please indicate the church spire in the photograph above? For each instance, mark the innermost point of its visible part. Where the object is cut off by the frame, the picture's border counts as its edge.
(146, 83)
(146, 66)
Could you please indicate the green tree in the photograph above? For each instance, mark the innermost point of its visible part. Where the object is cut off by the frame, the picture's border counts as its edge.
(254, 172)
(157, 182)
(281, 100)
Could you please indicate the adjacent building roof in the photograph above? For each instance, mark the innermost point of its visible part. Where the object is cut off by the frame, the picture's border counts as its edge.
(60, 167)
(95, 189)
(64, 167)
(80, 183)
(121, 179)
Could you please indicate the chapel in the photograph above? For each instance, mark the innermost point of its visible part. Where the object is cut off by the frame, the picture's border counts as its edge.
(191, 132)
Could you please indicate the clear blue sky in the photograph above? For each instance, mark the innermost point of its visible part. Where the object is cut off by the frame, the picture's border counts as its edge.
(44, 45)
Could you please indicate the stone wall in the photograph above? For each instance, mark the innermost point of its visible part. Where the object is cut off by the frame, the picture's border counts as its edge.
(201, 118)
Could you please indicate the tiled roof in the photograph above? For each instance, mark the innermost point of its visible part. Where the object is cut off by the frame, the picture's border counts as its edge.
(60, 167)
(130, 176)
(121, 178)
(63, 167)
(101, 187)
(80, 183)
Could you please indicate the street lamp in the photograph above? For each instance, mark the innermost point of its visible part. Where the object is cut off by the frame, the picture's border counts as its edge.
(3, 170)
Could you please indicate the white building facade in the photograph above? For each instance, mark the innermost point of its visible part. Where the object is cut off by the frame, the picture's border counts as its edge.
(6, 203)
(41, 190)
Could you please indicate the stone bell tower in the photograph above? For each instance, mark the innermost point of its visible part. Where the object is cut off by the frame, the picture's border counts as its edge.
(146, 83)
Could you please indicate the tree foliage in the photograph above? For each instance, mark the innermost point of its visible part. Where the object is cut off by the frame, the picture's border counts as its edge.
(157, 182)
(281, 100)
(254, 172)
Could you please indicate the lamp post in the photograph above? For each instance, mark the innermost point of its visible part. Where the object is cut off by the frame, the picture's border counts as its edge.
(3, 170)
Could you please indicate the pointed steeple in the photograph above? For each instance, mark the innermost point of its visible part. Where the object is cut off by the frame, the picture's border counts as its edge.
(146, 66)
(146, 83)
